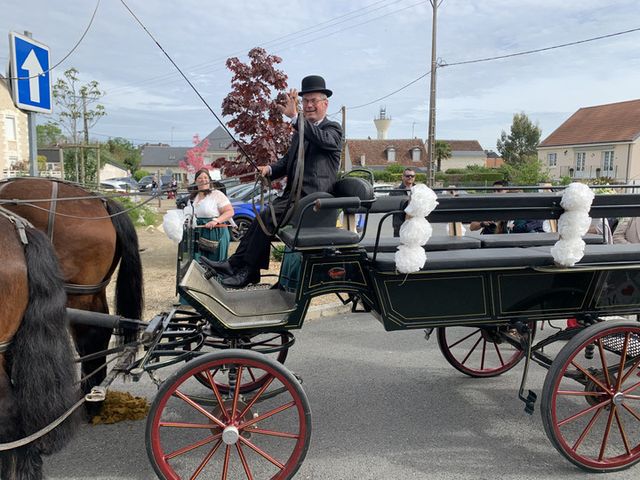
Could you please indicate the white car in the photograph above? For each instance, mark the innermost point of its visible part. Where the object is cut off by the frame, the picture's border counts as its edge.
(115, 186)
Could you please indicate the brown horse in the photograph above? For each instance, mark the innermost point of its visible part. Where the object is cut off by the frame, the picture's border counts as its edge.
(90, 235)
(36, 357)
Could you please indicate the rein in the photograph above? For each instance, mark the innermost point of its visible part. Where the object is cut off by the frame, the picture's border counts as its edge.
(32, 202)
(4, 346)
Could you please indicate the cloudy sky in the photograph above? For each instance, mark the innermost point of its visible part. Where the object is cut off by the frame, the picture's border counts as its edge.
(366, 49)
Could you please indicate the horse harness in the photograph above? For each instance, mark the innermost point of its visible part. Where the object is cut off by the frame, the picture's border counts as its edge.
(70, 288)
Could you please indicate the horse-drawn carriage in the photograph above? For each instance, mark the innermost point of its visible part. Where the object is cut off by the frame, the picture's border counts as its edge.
(239, 412)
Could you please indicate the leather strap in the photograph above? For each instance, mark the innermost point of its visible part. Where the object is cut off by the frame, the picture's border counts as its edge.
(52, 210)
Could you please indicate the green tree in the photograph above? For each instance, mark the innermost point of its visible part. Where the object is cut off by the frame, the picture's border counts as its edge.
(123, 152)
(49, 134)
(521, 142)
(77, 107)
(528, 171)
(442, 151)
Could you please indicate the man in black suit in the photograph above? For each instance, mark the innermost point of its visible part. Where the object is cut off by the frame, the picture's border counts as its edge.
(408, 180)
(322, 146)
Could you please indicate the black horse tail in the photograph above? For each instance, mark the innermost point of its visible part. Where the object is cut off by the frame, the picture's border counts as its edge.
(129, 291)
(41, 354)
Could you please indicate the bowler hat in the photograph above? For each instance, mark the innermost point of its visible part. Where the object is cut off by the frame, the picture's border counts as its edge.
(314, 83)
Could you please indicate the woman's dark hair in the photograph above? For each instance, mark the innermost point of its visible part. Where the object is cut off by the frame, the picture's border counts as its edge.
(194, 189)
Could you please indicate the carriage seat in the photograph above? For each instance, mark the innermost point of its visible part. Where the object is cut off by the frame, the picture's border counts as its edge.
(512, 257)
(475, 258)
(436, 242)
(530, 240)
(315, 229)
(617, 253)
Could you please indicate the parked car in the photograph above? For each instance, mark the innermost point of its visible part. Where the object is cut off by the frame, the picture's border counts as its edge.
(133, 185)
(144, 185)
(113, 185)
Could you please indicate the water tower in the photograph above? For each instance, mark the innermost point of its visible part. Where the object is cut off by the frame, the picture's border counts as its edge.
(382, 123)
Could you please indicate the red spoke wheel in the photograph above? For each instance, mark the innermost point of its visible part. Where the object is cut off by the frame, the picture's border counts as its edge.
(591, 398)
(482, 351)
(274, 345)
(198, 432)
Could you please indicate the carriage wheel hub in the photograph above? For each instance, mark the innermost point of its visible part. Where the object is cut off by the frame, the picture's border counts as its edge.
(230, 435)
(618, 398)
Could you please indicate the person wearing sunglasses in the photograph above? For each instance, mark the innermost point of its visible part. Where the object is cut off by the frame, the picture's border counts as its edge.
(408, 180)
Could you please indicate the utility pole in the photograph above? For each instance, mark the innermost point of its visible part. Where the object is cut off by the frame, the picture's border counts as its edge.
(432, 100)
(343, 160)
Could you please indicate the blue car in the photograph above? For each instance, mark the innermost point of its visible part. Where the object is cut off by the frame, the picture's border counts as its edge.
(244, 215)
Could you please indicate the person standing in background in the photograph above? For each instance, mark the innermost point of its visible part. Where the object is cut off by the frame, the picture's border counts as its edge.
(408, 180)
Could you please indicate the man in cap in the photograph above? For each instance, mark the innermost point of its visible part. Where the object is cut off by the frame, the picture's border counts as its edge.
(322, 146)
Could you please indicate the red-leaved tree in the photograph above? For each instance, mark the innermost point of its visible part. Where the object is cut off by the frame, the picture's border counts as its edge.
(194, 158)
(256, 90)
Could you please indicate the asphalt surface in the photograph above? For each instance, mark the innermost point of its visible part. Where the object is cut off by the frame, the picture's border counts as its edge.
(385, 405)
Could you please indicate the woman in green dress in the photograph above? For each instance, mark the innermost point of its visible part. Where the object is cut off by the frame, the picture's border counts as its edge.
(211, 209)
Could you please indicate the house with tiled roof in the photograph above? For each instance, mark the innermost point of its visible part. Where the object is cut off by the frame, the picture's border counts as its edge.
(166, 160)
(494, 160)
(598, 141)
(380, 153)
(463, 154)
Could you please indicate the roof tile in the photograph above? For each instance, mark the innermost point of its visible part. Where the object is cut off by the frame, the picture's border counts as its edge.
(614, 122)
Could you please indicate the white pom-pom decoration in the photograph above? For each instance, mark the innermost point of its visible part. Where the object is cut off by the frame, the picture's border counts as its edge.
(568, 252)
(410, 258)
(573, 224)
(423, 201)
(577, 196)
(172, 224)
(415, 231)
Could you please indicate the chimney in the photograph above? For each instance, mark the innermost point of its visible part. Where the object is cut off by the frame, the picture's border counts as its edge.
(382, 123)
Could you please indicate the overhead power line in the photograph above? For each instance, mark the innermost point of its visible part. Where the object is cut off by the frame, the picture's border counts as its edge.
(86, 30)
(287, 39)
(537, 50)
(499, 57)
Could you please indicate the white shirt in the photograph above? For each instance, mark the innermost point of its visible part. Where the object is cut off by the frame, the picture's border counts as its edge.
(209, 206)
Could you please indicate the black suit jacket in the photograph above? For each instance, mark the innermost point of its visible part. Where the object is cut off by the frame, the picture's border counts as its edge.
(322, 144)
(398, 218)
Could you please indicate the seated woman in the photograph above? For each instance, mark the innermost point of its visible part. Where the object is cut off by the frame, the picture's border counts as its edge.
(211, 209)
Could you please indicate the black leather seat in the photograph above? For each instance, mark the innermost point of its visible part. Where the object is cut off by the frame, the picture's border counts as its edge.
(318, 229)
(618, 253)
(530, 240)
(436, 242)
(473, 259)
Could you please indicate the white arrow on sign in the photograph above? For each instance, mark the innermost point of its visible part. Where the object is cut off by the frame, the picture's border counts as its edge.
(32, 65)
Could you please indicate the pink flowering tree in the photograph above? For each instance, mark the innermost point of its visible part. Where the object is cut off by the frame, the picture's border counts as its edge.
(194, 158)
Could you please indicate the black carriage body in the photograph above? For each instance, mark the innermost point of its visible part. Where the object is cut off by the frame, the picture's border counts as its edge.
(495, 280)
(468, 297)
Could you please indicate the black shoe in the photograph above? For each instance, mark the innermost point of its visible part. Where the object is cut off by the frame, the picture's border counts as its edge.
(219, 267)
(243, 277)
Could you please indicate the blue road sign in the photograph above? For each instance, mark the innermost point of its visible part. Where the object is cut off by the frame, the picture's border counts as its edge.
(31, 78)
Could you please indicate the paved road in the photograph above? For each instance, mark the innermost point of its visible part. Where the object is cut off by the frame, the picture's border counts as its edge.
(385, 406)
